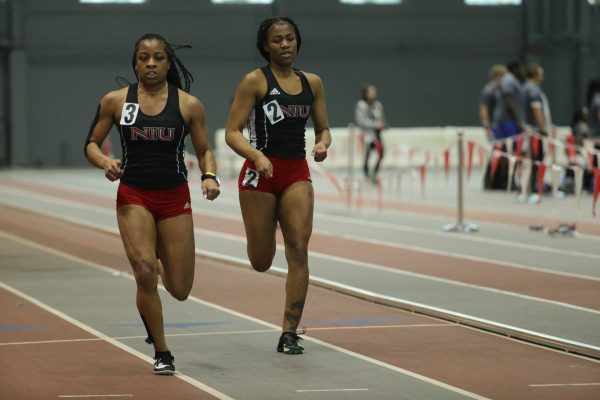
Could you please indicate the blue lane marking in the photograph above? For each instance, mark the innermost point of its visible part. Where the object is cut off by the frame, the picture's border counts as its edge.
(177, 325)
(357, 321)
(12, 328)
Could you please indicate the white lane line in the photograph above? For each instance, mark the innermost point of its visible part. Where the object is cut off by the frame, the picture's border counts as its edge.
(331, 390)
(453, 254)
(566, 384)
(81, 396)
(220, 333)
(327, 283)
(449, 281)
(421, 249)
(224, 215)
(186, 378)
(383, 268)
(105, 192)
(242, 239)
(471, 238)
(438, 310)
(368, 224)
(59, 341)
(107, 339)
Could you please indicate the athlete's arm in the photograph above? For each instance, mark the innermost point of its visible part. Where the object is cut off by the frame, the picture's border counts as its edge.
(319, 117)
(484, 117)
(99, 130)
(538, 116)
(192, 111)
(244, 100)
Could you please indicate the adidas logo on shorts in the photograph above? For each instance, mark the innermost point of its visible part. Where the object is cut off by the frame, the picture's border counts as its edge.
(274, 92)
(187, 205)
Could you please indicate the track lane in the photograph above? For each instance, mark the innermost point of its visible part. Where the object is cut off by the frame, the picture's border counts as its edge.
(443, 352)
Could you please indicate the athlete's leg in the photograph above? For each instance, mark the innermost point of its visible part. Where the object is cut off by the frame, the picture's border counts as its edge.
(295, 214)
(138, 233)
(176, 248)
(259, 211)
(368, 149)
(379, 150)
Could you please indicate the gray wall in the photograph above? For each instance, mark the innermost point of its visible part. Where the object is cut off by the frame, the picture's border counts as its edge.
(428, 58)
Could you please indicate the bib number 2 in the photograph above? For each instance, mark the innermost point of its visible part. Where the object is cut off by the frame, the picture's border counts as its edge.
(251, 178)
(273, 112)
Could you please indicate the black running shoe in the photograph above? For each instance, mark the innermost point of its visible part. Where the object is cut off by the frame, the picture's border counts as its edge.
(163, 363)
(289, 343)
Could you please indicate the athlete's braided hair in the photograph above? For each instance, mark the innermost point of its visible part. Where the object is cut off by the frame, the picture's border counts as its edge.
(177, 70)
(263, 33)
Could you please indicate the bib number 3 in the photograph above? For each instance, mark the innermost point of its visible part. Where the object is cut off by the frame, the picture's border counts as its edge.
(129, 113)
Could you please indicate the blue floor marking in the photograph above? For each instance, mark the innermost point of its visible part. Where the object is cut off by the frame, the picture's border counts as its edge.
(12, 328)
(176, 325)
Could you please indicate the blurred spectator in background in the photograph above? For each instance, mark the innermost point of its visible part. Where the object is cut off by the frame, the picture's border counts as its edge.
(490, 99)
(593, 110)
(370, 119)
(508, 117)
(538, 120)
(579, 132)
(593, 116)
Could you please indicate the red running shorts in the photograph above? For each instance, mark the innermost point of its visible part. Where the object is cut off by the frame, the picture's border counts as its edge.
(285, 173)
(162, 204)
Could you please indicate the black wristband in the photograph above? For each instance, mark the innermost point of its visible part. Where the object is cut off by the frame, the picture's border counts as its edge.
(212, 176)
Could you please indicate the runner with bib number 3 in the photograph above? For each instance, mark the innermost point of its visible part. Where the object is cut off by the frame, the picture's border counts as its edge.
(154, 211)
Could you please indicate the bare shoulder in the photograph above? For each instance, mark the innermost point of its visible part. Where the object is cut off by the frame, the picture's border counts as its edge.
(312, 77)
(191, 107)
(189, 101)
(113, 101)
(253, 84)
(254, 77)
(316, 84)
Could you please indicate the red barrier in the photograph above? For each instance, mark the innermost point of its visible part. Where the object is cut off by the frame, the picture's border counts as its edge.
(422, 172)
(596, 190)
(540, 180)
(470, 147)
(446, 163)
(535, 146)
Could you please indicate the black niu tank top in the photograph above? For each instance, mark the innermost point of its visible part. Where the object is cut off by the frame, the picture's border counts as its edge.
(152, 146)
(277, 124)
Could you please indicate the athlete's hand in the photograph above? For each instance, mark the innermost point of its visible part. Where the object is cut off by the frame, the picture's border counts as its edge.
(112, 169)
(319, 152)
(263, 166)
(210, 189)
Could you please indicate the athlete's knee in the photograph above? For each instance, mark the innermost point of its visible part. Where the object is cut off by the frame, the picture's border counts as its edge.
(181, 290)
(180, 293)
(261, 261)
(145, 273)
(298, 251)
(260, 265)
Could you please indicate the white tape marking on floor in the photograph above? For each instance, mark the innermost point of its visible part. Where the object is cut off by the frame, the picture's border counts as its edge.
(107, 339)
(331, 390)
(566, 384)
(544, 249)
(81, 396)
(240, 238)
